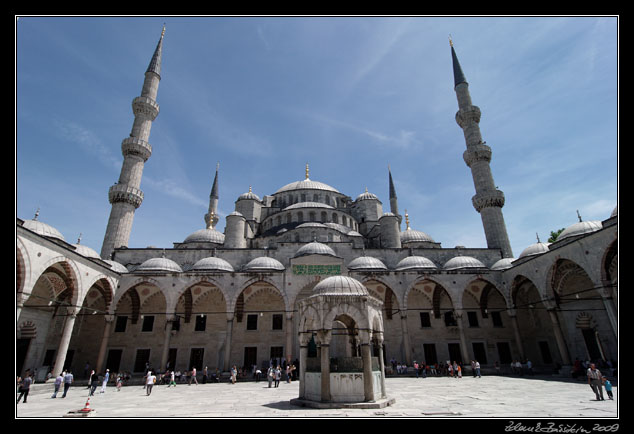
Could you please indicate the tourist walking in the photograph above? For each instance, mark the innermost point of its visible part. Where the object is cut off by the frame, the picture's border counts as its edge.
(270, 375)
(119, 381)
(94, 382)
(459, 371)
(234, 374)
(608, 388)
(172, 380)
(149, 383)
(278, 375)
(193, 377)
(205, 375)
(25, 386)
(58, 383)
(595, 380)
(68, 380)
(106, 378)
(476, 365)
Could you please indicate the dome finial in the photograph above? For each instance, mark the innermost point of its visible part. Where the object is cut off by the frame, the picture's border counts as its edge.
(450, 41)
(306, 170)
(407, 220)
(537, 237)
(163, 32)
(37, 213)
(579, 216)
(79, 238)
(250, 191)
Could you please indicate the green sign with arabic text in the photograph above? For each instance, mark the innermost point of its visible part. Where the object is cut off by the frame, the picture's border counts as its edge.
(313, 270)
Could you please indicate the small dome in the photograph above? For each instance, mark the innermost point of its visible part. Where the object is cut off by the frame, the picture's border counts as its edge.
(389, 214)
(249, 195)
(412, 236)
(354, 234)
(366, 196)
(86, 251)
(42, 229)
(236, 214)
(503, 264)
(535, 249)
(314, 248)
(415, 263)
(340, 285)
(460, 262)
(209, 235)
(159, 264)
(366, 263)
(580, 228)
(119, 268)
(212, 264)
(264, 263)
(308, 205)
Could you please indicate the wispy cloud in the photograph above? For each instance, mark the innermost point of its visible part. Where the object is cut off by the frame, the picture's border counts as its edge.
(174, 189)
(89, 142)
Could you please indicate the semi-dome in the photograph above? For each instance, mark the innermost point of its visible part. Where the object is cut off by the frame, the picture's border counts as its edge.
(308, 205)
(212, 264)
(116, 266)
(160, 264)
(366, 263)
(340, 285)
(306, 184)
(315, 248)
(415, 263)
(412, 236)
(42, 229)
(503, 264)
(535, 249)
(580, 228)
(264, 263)
(462, 262)
(208, 235)
(86, 251)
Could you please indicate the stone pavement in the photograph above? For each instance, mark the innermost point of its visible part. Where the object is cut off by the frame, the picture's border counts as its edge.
(468, 397)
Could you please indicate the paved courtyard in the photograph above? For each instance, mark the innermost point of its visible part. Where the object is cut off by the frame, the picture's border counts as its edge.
(488, 397)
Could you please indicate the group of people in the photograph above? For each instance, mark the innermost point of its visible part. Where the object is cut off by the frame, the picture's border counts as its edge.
(597, 381)
(442, 369)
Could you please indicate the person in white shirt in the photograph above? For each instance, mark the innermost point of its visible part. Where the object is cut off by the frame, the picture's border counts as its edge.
(149, 382)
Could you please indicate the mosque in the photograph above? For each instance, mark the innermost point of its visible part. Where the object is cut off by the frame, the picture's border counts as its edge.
(235, 298)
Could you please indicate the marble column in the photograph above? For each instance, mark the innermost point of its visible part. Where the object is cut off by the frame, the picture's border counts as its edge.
(366, 355)
(289, 339)
(559, 337)
(463, 341)
(406, 343)
(227, 360)
(324, 345)
(303, 357)
(104, 342)
(166, 343)
(379, 342)
(518, 336)
(62, 349)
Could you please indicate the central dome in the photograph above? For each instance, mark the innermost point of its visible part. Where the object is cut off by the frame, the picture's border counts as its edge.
(315, 248)
(306, 184)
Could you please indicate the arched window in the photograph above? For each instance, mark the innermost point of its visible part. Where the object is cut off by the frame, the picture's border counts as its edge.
(335, 219)
(300, 216)
(324, 217)
(312, 217)
(289, 218)
(315, 197)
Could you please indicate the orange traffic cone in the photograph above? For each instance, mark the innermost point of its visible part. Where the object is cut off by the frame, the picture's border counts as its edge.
(86, 408)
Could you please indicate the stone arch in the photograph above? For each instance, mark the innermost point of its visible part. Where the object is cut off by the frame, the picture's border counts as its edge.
(484, 291)
(610, 269)
(382, 291)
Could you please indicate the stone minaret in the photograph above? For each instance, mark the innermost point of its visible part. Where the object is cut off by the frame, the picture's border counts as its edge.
(211, 218)
(488, 200)
(394, 199)
(125, 196)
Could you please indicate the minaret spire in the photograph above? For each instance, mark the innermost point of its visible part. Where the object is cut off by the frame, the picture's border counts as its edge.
(125, 195)
(393, 198)
(211, 218)
(488, 200)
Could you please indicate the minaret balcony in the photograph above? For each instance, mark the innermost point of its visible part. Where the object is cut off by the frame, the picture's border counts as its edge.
(136, 146)
(146, 107)
(468, 115)
(487, 199)
(479, 152)
(123, 193)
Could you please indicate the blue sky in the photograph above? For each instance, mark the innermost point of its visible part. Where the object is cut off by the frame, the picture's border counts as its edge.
(263, 96)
